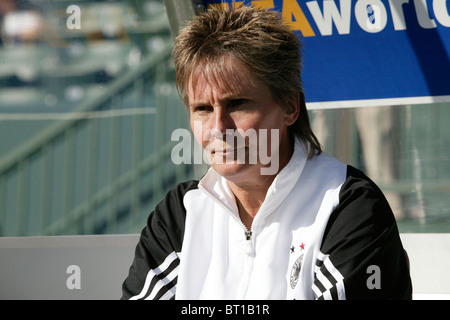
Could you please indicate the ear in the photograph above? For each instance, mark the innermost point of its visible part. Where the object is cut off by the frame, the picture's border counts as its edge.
(292, 110)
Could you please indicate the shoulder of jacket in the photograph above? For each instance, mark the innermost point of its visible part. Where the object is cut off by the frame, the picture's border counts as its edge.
(362, 211)
(172, 205)
(360, 187)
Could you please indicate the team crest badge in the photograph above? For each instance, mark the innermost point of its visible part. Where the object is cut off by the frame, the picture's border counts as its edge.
(295, 272)
(297, 267)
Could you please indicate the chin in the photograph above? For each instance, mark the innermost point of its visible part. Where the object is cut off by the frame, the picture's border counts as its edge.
(234, 171)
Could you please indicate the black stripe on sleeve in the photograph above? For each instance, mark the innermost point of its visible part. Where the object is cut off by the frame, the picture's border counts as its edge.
(362, 232)
(161, 237)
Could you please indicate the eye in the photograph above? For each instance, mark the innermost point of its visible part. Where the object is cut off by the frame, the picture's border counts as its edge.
(236, 103)
(201, 109)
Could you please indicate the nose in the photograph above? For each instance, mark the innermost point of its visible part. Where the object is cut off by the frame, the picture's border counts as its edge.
(222, 122)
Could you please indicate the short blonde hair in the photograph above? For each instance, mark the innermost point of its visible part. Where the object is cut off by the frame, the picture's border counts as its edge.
(256, 38)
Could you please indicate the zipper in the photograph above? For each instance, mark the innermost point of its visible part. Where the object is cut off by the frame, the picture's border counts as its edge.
(247, 233)
(248, 238)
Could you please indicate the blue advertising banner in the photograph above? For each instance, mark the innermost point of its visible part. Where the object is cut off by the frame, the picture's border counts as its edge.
(369, 52)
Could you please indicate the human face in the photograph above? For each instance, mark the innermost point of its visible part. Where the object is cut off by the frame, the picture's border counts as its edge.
(242, 105)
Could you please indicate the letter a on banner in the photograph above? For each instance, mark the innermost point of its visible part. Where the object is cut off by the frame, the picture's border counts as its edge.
(295, 18)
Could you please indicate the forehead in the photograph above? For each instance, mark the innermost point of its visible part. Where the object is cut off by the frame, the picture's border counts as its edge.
(225, 75)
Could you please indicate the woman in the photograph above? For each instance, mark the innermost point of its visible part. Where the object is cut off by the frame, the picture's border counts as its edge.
(302, 226)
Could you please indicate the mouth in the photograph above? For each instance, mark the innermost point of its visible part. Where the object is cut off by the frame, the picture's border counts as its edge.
(227, 151)
(223, 152)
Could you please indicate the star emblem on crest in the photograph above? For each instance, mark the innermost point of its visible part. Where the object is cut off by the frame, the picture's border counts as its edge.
(302, 247)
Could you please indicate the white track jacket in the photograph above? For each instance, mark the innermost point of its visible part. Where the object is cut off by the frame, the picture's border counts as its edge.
(324, 231)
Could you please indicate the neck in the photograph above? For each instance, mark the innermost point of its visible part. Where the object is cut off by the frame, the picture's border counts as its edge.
(249, 198)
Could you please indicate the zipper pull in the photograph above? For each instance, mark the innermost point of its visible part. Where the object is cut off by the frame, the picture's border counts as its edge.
(248, 237)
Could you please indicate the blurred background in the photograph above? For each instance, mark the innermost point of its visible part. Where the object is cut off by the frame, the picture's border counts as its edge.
(86, 117)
